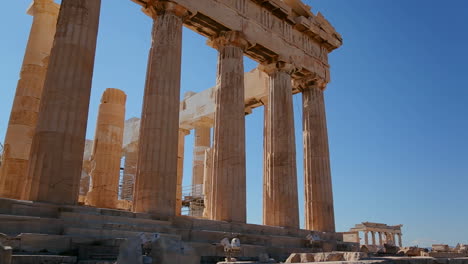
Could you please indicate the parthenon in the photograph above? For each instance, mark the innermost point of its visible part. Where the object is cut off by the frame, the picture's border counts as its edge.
(46, 152)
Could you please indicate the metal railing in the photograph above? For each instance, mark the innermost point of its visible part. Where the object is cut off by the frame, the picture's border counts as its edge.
(193, 200)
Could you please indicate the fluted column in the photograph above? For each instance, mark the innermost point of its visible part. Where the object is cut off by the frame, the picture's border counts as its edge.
(107, 150)
(400, 244)
(202, 143)
(380, 239)
(180, 168)
(319, 212)
(373, 238)
(23, 116)
(156, 185)
(208, 184)
(130, 168)
(229, 182)
(366, 237)
(58, 144)
(280, 202)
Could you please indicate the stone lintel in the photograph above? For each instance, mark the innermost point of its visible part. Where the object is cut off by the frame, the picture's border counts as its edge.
(299, 37)
(277, 66)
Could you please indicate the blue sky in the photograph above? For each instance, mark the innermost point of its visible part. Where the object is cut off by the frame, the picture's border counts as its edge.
(396, 107)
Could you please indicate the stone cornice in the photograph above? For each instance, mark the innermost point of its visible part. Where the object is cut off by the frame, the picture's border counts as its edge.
(229, 38)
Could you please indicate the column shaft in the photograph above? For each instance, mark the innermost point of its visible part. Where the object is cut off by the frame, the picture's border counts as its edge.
(400, 244)
(280, 202)
(229, 175)
(58, 144)
(208, 184)
(373, 238)
(380, 239)
(366, 238)
(319, 212)
(23, 117)
(156, 185)
(180, 169)
(130, 169)
(202, 143)
(107, 150)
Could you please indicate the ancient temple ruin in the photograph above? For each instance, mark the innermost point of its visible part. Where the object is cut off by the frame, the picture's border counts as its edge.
(41, 174)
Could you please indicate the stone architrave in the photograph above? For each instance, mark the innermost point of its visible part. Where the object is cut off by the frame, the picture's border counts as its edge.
(319, 211)
(107, 150)
(280, 202)
(202, 143)
(156, 183)
(229, 173)
(23, 117)
(180, 169)
(56, 158)
(207, 184)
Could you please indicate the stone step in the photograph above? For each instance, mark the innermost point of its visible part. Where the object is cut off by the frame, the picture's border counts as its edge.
(41, 259)
(115, 222)
(209, 236)
(99, 234)
(16, 224)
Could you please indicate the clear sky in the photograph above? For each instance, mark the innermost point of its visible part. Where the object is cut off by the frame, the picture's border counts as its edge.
(396, 107)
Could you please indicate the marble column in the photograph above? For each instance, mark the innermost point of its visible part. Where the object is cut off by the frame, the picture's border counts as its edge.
(130, 168)
(207, 184)
(366, 238)
(373, 238)
(23, 116)
(58, 144)
(319, 211)
(107, 150)
(180, 168)
(202, 143)
(280, 202)
(380, 239)
(156, 183)
(400, 243)
(229, 173)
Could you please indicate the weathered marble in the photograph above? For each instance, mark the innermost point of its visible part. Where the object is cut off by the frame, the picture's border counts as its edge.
(130, 169)
(57, 147)
(23, 117)
(229, 173)
(107, 150)
(280, 202)
(156, 183)
(180, 169)
(208, 184)
(319, 212)
(202, 143)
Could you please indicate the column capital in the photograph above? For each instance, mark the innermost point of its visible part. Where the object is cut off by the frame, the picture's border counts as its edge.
(184, 131)
(229, 38)
(155, 8)
(278, 66)
(43, 6)
(309, 82)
